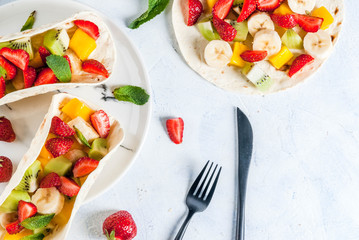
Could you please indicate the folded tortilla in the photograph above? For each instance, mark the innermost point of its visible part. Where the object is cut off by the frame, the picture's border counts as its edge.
(105, 53)
(114, 140)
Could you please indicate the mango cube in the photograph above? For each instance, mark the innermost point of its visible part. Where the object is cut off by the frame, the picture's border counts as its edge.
(210, 4)
(322, 12)
(283, 9)
(36, 62)
(64, 216)
(75, 108)
(19, 235)
(236, 59)
(82, 44)
(281, 58)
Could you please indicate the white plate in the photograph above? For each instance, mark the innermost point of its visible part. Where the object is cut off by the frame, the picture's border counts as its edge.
(27, 114)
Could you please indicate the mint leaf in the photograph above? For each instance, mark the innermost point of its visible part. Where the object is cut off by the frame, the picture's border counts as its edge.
(29, 22)
(60, 66)
(132, 94)
(38, 236)
(82, 137)
(37, 222)
(155, 7)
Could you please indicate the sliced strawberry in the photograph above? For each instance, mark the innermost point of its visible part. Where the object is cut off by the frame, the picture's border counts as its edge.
(285, 21)
(192, 11)
(29, 76)
(254, 56)
(225, 30)
(7, 133)
(175, 128)
(2, 87)
(60, 128)
(69, 61)
(50, 180)
(222, 8)
(58, 146)
(5, 169)
(25, 210)
(8, 67)
(101, 122)
(88, 27)
(69, 187)
(299, 63)
(44, 53)
(94, 66)
(249, 6)
(84, 166)
(267, 5)
(309, 23)
(14, 228)
(18, 57)
(46, 76)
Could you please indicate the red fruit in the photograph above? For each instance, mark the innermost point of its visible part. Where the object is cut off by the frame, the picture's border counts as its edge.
(226, 31)
(299, 63)
(94, 66)
(2, 87)
(29, 76)
(88, 27)
(44, 53)
(69, 61)
(254, 56)
(267, 5)
(175, 128)
(18, 57)
(25, 210)
(50, 180)
(309, 23)
(8, 67)
(249, 6)
(192, 11)
(13, 228)
(286, 21)
(7, 133)
(122, 224)
(101, 122)
(46, 76)
(84, 166)
(222, 8)
(60, 128)
(58, 146)
(5, 169)
(69, 187)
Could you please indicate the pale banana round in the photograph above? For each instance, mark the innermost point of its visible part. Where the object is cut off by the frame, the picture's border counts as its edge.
(301, 6)
(318, 45)
(267, 40)
(48, 200)
(218, 53)
(259, 21)
(6, 218)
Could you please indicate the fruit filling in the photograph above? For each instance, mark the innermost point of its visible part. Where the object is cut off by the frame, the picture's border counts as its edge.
(43, 201)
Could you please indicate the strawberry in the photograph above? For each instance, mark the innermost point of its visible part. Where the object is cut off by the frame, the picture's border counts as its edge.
(267, 5)
(94, 66)
(120, 225)
(175, 128)
(44, 53)
(254, 56)
(58, 146)
(88, 27)
(84, 166)
(14, 228)
(50, 180)
(68, 187)
(19, 57)
(309, 23)
(46, 76)
(2, 88)
(225, 30)
(5, 169)
(7, 133)
(222, 8)
(60, 128)
(101, 122)
(299, 63)
(286, 21)
(25, 210)
(249, 6)
(29, 76)
(8, 67)
(69, 61)
(193, 10)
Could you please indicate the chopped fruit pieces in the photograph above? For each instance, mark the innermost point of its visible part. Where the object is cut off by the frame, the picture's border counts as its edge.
(236, 59)
(58, 146)
(87, 131)
(7, 69)
(249, 6)
(308, 23)
(11, 202)
(285, 21)
(46, 76)
(222, 8)
(98, 149)
(45, 154)
(88, 27)
(29, 181)
(225, 30)
(7, 133)
(101, 122)
(192, 11)
(207, 30)
(175, 128)
(84, 166)
(69, 187)
(241, 28)
(48, 201)
(18, 236)
(210, 4)
(254, 56)
(259, 78)
(75, 108)
(60, 66)
(120, 225)
(14, 228)
(60, 165)
(5, 169)
(29, 77)
(26, 210)
(322, 12)
(2, 87)
(284, 56)
(75, 154)
(283, 9)
(69, 61)
(292, 40)
(56, 41)
(18, 57)
(267, 5)
(299, 63)
(44, 53)
(94, 66)
(51, 180)
(82, 44)
(60, 128)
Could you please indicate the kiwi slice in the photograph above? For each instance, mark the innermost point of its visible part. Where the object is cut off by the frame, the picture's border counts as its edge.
(242, 30)
(259, 78)
(21, 43)
(206, 28)
(57, 41)
(11, 202)
(98, 149)
(45, 230)
(29, 181)
(59, 165)
(292, 40)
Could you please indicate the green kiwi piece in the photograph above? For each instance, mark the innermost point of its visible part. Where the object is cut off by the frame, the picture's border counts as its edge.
(98, 149)
(57, 41)
(59, 165)
(207, 29)
(21, 43)
(259, 78)
(11, 202)
(242, 30)
(29, 181)
(45, 230)
(292, 40)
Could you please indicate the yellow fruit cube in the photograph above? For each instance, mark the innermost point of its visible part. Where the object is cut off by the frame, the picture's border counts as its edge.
(210, 4)
(322, 12)
(283, 9)
(36, 62)
(83, 179)
(18, 236)
(281, 58)
(75, 108)
(236, 59)
(82, 44)
(64, 216)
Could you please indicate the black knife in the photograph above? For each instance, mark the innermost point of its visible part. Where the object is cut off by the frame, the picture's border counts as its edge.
(245, 146)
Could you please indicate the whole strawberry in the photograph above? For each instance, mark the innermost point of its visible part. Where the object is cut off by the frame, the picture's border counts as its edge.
(5, 169)
(7, 134)
(120, 226)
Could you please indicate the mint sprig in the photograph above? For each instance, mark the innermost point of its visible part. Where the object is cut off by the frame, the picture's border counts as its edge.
(82, 137)
(132, 94)
(29, 22)
(60, 66)
(37, 221)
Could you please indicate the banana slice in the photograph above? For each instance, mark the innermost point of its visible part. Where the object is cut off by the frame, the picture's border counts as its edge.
(301, 6)
(267, 40)
(318, 45)
(218, 53)
(259, 21)
(48, 200)
(6, 218)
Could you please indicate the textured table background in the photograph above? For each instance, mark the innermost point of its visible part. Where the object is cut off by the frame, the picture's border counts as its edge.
(304, 180)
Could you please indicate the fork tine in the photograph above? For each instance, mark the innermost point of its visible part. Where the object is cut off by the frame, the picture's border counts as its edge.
(198, 179)
(209, 183)
(210, 194)
(199, 190)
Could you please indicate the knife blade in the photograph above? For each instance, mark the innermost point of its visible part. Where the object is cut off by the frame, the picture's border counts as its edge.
(245, 147)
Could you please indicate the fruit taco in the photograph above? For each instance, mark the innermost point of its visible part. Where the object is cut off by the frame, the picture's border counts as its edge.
(72, 145)
(256, 46)
(77, 51)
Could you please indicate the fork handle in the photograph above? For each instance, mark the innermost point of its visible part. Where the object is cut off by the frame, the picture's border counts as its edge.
(184, 226)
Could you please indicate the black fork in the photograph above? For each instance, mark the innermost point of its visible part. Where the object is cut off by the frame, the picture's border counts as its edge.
(197, 198)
